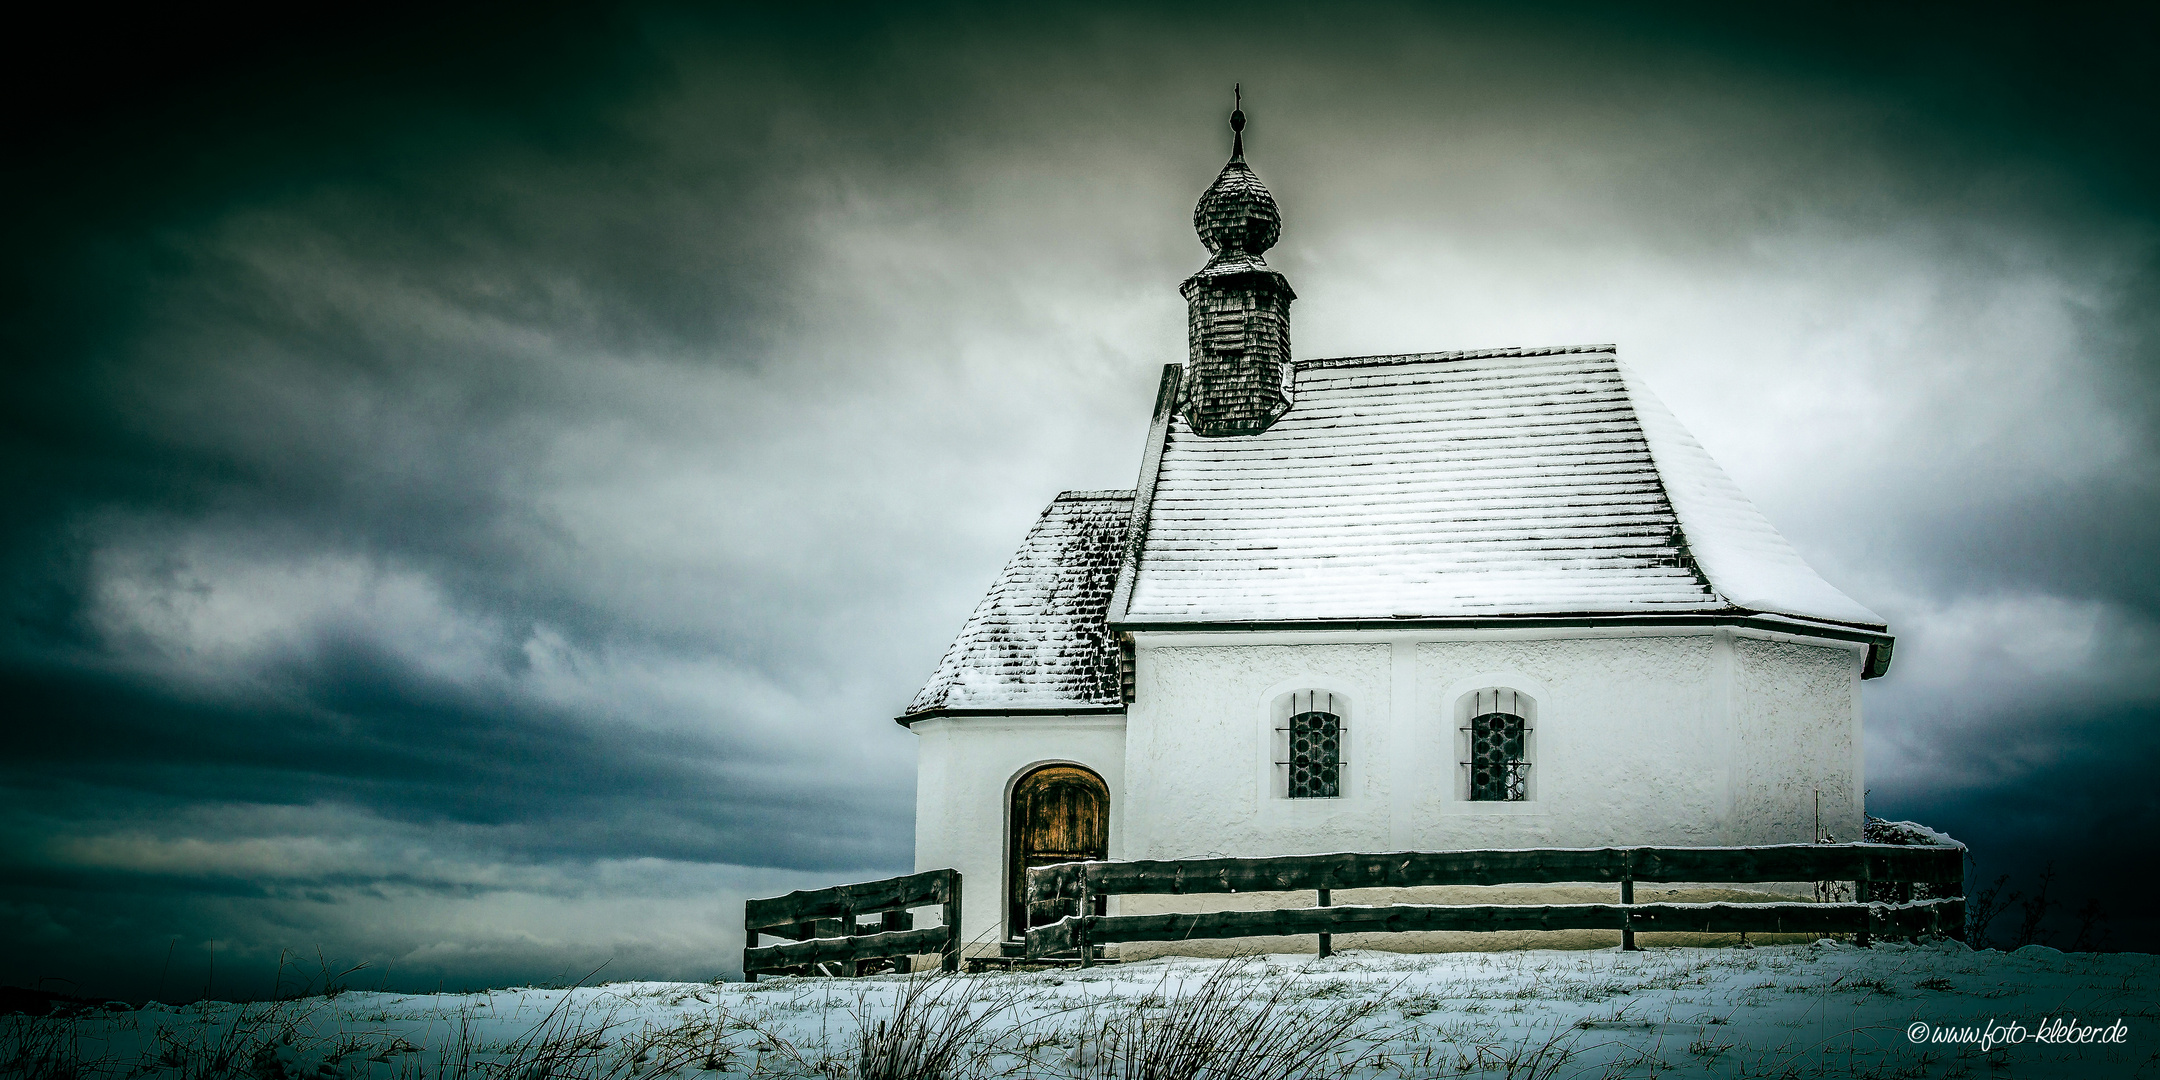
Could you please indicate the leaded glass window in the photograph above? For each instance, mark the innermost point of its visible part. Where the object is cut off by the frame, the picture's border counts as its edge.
(1312, 741)
(1498, 772)
(1497, 747)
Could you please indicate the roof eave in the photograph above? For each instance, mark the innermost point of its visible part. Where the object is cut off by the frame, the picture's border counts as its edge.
(908, 720)
(1878, 639)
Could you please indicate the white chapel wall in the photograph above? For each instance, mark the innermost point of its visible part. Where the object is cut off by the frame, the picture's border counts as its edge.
(1697, 737)
(1673, 737)
(1796, 708)
(1685, 738)
(965, 769)
(1619, 753)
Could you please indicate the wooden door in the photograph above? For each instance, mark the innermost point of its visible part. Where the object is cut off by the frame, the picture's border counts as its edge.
(1060, 813)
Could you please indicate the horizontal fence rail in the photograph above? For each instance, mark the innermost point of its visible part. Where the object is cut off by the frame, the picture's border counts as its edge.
(1528, 866)
(1071, 888)
(1925, 916)
(825, 928)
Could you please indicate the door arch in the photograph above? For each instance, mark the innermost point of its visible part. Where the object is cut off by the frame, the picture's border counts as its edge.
(1058, 813)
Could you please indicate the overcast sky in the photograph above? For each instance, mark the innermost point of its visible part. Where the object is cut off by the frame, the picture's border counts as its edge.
(480, 486)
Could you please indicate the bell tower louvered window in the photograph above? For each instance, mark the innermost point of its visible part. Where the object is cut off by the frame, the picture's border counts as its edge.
(1309, 744)
(1496, 741)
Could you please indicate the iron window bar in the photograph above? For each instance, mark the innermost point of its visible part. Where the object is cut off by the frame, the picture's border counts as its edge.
(1497, 739)
(1312, 743)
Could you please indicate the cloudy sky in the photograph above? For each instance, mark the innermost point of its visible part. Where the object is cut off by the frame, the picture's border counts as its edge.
(480, 485)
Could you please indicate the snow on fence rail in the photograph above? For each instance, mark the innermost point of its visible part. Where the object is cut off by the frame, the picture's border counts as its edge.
(1885, 870)
(823, 926)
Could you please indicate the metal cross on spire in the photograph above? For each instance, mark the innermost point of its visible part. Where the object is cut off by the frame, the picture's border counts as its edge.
(1237, 121)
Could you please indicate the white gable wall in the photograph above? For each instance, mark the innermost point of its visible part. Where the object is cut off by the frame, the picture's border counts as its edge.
(965, 770)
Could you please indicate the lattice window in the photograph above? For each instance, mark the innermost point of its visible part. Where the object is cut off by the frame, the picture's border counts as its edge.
(1311, 741)
(1497, 744)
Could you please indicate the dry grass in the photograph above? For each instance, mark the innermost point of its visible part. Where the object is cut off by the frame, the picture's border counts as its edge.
(592, 1042)
(1235, 1025)
(1226, 1029)
(39, 1048)
(262, 1042)
(939, 1029)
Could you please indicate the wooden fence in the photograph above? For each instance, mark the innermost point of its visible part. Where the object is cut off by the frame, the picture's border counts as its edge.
(824, 926)
(1880, 872)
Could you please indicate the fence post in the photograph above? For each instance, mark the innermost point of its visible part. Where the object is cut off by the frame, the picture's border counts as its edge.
(951, 960)
(1627, 897)
(1080, 927)
(1862, 893)
(890, 922)
(851, 925)
(1954, 890)
(848, 927)
(1327, 941)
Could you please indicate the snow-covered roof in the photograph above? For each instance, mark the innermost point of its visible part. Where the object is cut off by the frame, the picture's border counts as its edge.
(1038, 642)
(1513, 482)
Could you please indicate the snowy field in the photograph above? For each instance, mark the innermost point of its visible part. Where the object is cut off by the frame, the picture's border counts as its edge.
(1826, 1009)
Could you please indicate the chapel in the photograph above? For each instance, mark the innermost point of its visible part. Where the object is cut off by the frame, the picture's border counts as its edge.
(1481, 598)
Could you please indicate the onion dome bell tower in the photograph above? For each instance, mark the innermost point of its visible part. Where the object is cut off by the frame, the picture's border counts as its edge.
(1237, 374)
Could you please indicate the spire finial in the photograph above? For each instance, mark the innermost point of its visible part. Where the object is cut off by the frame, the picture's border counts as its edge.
(1236, 213)
(1237, 121)
(1237, 373)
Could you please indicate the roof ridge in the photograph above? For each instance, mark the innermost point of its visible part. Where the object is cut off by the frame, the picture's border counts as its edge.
(1453, 354)
(1093, 493)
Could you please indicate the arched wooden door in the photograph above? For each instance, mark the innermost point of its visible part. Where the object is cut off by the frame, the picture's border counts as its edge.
(1060, 813)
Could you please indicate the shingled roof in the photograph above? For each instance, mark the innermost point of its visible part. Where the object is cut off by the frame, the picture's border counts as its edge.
(1038, 642)
(1464, 487)
(1517, 482)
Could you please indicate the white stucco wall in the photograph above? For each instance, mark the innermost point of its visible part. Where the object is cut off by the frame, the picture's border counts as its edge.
(1796, 714)
(1666, 737)
(1200, 741)
(965, 769)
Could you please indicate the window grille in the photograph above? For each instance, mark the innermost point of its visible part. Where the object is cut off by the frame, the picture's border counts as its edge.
(1313, 739)
(1498, 741)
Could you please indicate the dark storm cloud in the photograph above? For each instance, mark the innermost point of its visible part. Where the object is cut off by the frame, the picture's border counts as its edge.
(353, 724)
(481, 485)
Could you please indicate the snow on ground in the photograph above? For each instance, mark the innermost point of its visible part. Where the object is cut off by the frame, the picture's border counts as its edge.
(1826, 1009)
